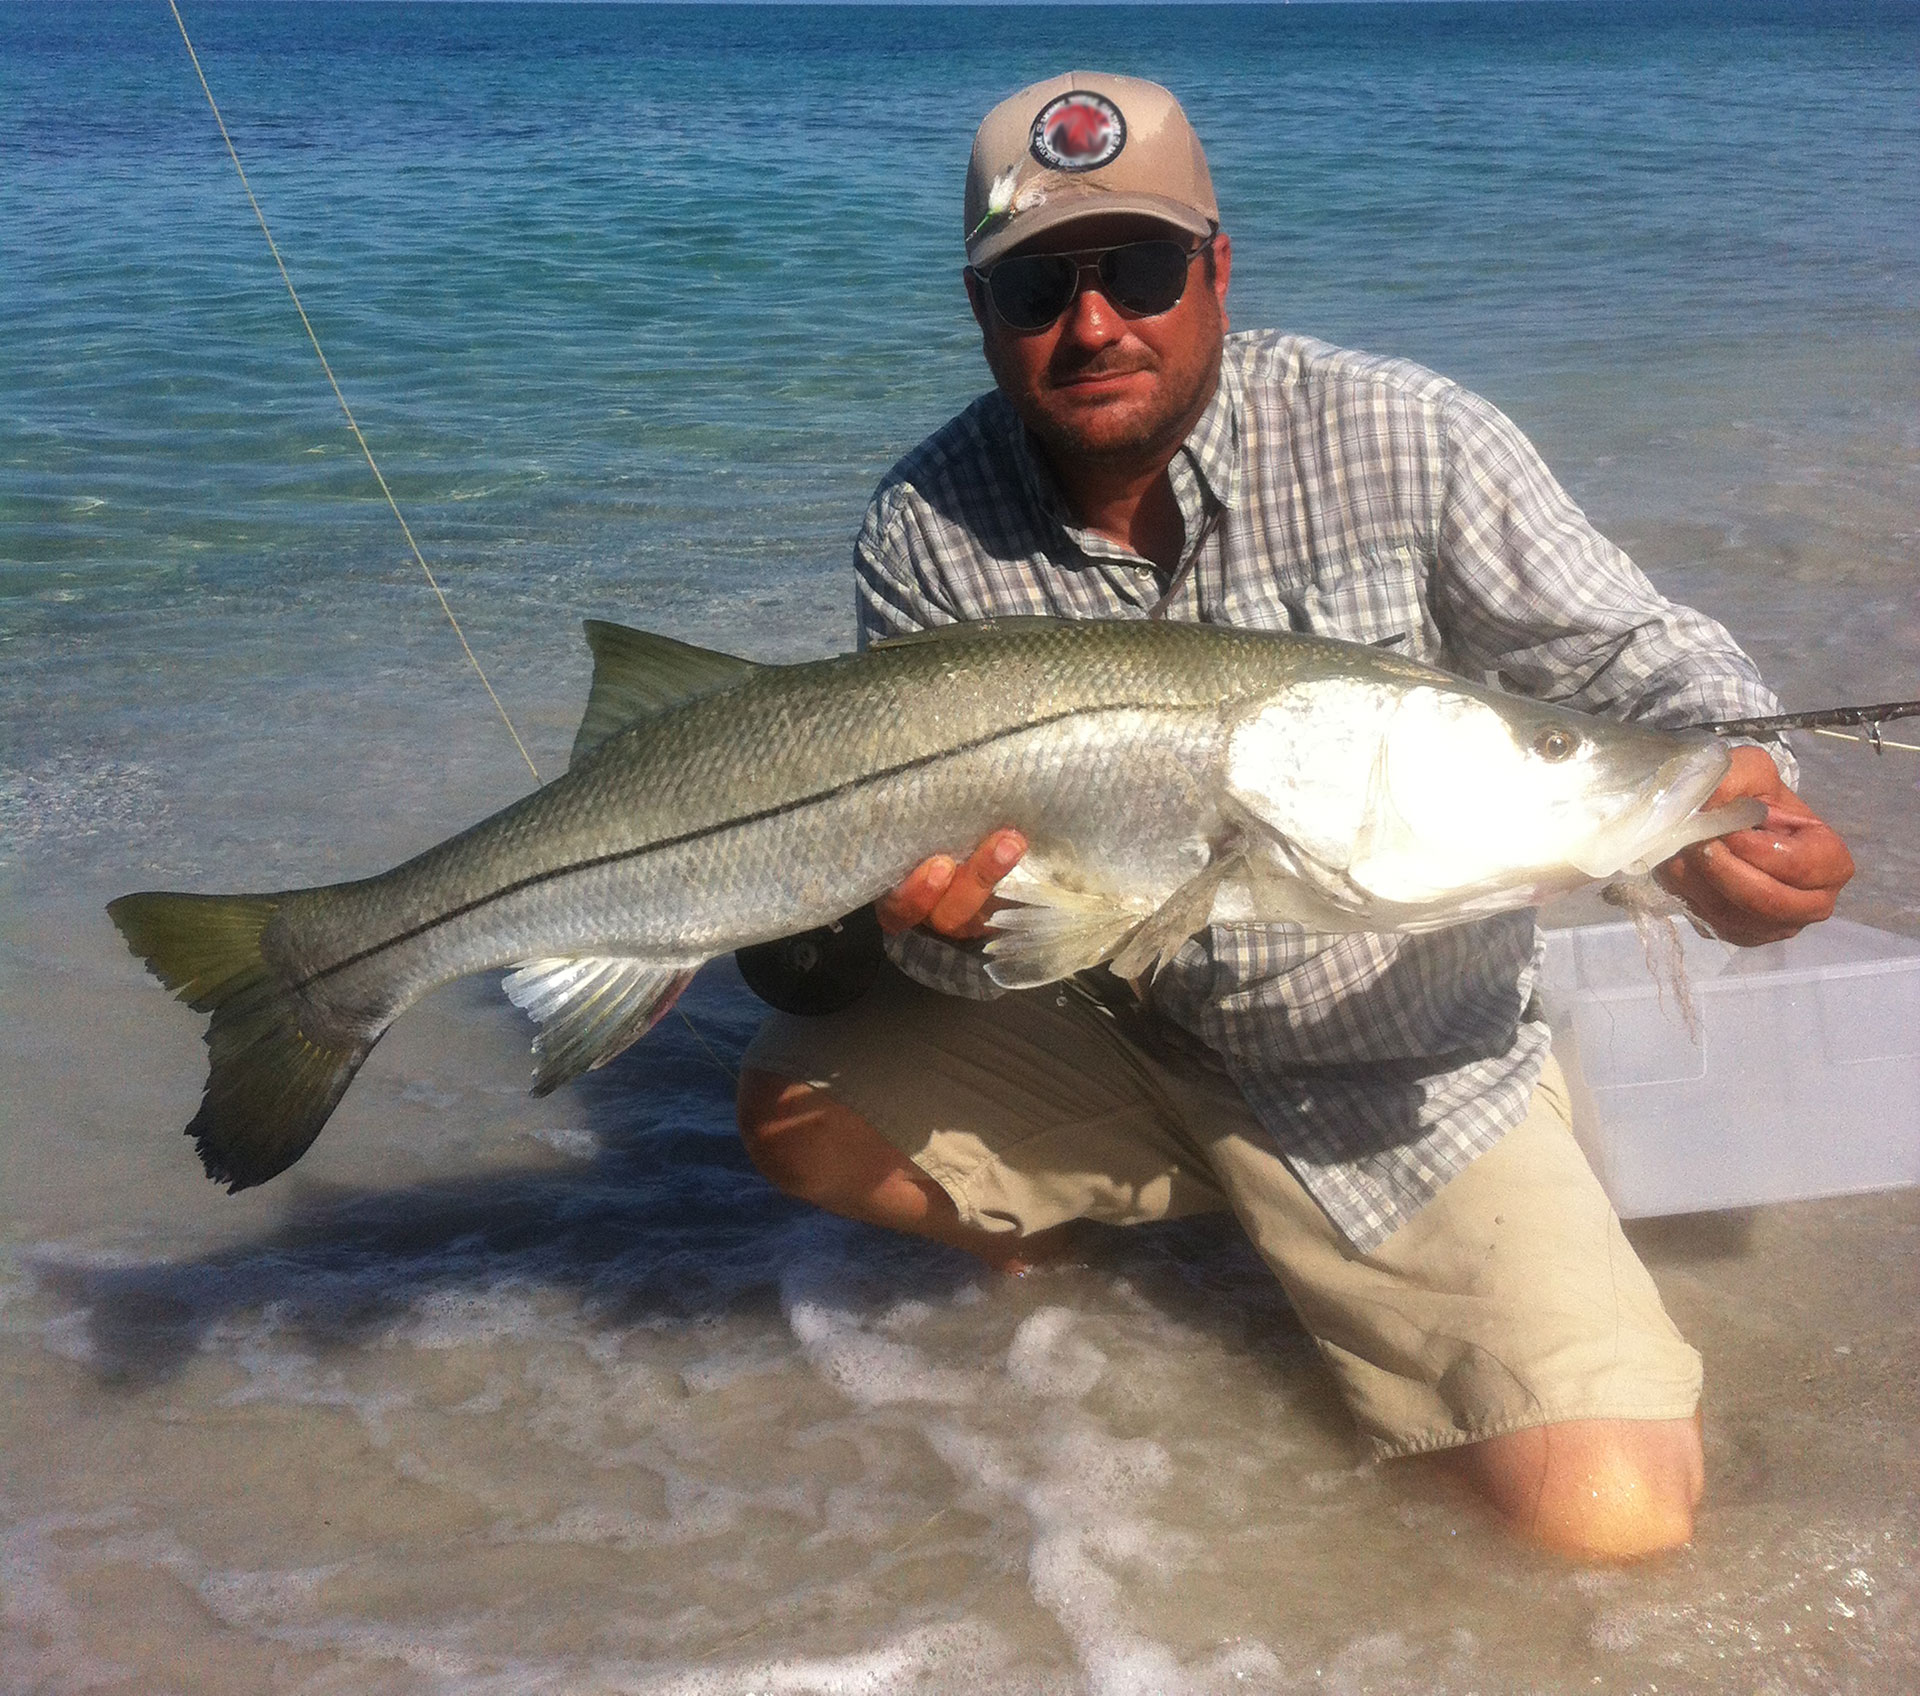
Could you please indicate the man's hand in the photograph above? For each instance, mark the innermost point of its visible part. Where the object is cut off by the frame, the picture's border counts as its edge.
(1764, 884)
(952, 898)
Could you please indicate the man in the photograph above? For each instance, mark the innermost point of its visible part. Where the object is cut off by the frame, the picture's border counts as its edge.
(1380, 1112)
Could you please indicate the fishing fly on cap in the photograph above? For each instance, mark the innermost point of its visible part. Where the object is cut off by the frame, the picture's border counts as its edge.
(1081, 145)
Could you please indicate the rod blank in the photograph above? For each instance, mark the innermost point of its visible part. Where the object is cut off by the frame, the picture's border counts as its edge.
(1819, 720)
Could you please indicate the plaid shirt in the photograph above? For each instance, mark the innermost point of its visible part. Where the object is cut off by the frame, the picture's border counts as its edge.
(1367, 499)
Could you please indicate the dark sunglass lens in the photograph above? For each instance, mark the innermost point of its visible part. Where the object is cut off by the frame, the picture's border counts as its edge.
(1031, 291)
(1145, 277)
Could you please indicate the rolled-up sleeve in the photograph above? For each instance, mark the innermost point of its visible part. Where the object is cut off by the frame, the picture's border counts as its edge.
(1530, 592)
(891, 597)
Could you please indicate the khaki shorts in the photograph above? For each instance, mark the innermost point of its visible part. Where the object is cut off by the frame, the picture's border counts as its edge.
(1512, 1299)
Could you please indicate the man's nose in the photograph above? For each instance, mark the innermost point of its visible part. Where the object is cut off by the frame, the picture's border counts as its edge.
(1090, 317)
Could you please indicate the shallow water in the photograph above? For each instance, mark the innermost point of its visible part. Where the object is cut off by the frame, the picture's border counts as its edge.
(494, 1394)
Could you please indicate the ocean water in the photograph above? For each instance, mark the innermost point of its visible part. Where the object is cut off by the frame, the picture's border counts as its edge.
(634, 305)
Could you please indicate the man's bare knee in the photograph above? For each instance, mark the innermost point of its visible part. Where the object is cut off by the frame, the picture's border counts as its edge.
(783, 1123)
(1595, 1489)
(817, 1149)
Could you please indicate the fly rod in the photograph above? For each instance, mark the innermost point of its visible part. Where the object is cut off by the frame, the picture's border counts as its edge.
(1824, 722)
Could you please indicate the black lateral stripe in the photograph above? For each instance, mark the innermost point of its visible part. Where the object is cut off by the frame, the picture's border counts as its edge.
(537, 878)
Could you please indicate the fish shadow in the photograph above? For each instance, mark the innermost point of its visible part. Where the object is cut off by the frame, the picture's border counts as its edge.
(666, 1222)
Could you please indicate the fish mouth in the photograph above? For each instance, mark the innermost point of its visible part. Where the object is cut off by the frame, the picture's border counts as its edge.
(1660, 823)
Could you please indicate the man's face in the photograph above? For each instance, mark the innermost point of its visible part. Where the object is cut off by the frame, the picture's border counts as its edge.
(1097, 385)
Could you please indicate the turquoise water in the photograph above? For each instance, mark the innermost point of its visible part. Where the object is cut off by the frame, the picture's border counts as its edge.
(636, 302)
(634, 305)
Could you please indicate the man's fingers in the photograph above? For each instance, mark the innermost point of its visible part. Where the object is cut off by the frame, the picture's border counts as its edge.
(1806, 854)
(903, 908)
(1727, 921)
(1756, 891)
(1742, 902)
(1763, 884)
(961, 910)
(952, 897)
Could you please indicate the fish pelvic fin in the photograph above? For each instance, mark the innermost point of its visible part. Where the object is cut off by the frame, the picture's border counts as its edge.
(1041, 943)
(1062, 924)
(636, 673)
(270, 1087)
(590, 1008)
(1059, 930)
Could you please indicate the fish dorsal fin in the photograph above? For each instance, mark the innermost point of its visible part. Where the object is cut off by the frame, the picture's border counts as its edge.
(969, 627)
(590, 1007)
(636, 672)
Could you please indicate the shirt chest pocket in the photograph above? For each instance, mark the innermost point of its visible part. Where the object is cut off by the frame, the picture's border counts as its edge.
(1376, 598)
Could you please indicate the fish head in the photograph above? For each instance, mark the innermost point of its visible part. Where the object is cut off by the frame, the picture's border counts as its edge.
(1421, 794)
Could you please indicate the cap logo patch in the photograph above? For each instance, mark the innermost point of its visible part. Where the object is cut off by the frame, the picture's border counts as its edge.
(1080, 131)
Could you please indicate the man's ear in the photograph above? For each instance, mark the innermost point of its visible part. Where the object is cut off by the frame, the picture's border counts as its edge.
(1222, 272)
(976, 297)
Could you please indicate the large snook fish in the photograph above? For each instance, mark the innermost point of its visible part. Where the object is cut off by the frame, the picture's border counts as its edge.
(1165, 775)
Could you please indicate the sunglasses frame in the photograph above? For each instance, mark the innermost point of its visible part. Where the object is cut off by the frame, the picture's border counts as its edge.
(1088, 259)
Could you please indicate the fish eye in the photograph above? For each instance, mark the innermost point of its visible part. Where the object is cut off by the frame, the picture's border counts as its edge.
(1555, 744)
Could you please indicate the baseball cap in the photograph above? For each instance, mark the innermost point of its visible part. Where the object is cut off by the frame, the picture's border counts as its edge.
(1078, 146)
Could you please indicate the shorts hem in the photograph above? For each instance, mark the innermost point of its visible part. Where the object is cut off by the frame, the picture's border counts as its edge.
(1432, 1441)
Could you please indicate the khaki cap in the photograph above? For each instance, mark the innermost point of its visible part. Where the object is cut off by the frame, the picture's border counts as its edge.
(1078, 146)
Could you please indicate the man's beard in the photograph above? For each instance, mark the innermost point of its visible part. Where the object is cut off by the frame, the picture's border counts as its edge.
(1153, 435)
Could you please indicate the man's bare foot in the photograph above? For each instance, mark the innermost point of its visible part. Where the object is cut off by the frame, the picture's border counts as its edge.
(1022, 1255)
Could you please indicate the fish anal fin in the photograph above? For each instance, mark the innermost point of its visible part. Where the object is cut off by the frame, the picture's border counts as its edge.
(636, 672)
(591, 1007)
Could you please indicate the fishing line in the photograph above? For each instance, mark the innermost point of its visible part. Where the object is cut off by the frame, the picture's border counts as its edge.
(273, 247)
(347, 411)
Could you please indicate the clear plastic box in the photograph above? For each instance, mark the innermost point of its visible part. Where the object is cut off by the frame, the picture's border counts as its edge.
(1805, 1080)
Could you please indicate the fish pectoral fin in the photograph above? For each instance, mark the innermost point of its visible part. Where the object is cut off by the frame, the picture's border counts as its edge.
(1056, 932)
(1285, 884)
(1164, 932)
(590, 1007)
(636, 673)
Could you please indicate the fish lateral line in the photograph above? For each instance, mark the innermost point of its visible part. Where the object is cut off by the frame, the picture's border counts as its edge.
(820, 797)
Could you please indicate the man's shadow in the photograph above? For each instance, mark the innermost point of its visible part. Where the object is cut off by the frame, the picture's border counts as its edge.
(664, 1223)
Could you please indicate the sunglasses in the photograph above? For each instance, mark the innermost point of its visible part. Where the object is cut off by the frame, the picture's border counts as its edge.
(1142, 279)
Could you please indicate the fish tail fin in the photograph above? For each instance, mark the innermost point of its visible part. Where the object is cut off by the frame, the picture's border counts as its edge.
(270, 1086)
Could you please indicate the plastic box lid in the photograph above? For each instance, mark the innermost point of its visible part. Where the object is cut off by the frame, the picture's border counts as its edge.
(1804, 1079)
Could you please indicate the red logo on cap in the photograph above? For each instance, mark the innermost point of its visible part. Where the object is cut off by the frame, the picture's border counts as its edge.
(1078, 132)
